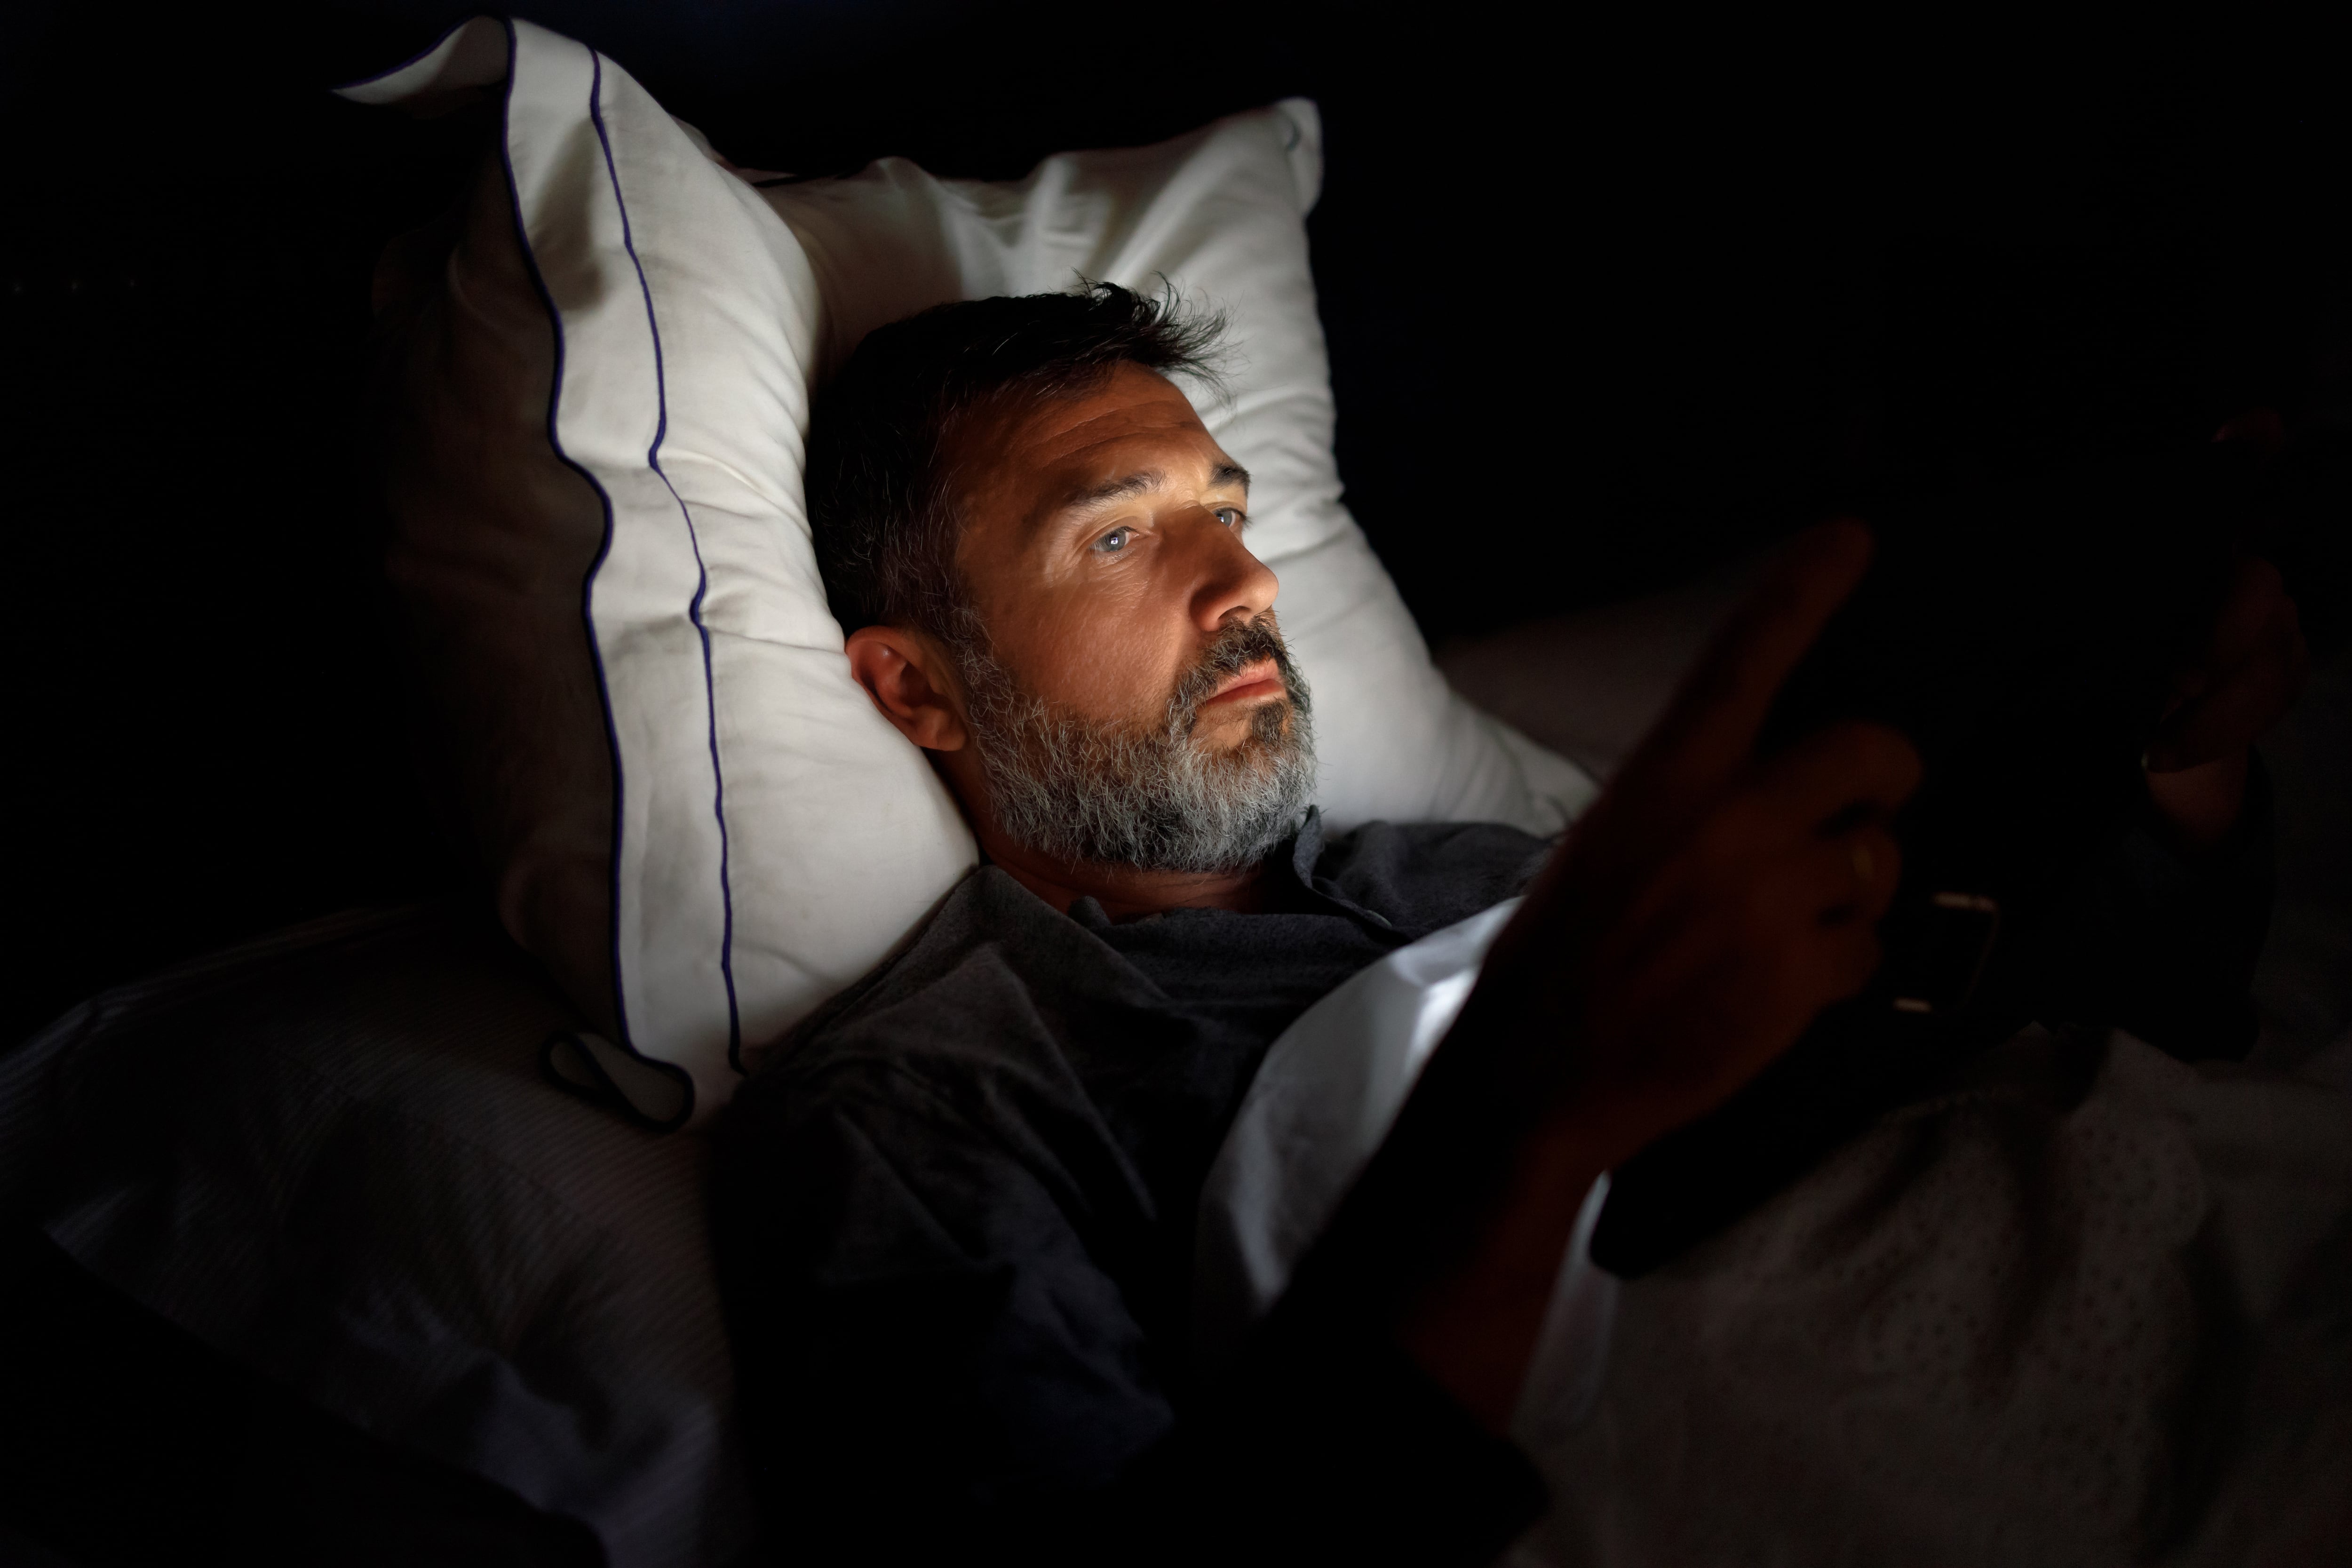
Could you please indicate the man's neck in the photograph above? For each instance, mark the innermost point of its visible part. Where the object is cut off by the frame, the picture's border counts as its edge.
(1125, 893)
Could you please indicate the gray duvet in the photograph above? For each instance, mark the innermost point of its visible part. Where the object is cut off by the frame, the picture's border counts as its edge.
(332, 1156)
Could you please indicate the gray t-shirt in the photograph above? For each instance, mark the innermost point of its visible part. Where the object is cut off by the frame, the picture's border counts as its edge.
(956, 1209)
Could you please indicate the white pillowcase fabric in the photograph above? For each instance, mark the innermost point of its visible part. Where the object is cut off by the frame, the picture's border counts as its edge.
(771, 836)
(1221, 215)
(1319, 1108)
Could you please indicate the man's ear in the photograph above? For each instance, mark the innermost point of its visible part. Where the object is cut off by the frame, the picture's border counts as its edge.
(912, 682)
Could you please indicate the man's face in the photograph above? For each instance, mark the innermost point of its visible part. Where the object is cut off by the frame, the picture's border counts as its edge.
(1102, 550)
(1133, 700)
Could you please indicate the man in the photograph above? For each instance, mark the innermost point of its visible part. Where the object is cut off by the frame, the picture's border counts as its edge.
(954, 1215)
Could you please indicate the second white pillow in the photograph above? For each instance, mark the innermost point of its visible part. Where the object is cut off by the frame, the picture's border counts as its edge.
(1221, 215)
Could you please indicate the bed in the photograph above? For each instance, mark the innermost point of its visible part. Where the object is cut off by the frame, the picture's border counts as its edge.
(246, 1146)
(335, 1158)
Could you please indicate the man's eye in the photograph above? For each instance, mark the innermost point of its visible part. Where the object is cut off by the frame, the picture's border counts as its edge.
(1114, 541)
(1232, 516)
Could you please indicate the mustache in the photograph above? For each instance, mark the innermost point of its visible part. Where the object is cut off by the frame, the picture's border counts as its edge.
(1234, 649)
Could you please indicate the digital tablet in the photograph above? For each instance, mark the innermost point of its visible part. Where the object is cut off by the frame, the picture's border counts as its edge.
(2026, 640)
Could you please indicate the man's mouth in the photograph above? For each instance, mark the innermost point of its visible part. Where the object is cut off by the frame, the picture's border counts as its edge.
(1259, 679)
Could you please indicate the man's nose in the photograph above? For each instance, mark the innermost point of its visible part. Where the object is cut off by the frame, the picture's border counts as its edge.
(1230, 583)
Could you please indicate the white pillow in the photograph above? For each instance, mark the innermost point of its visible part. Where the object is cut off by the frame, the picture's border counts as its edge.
(746, 835)
(1220, 215)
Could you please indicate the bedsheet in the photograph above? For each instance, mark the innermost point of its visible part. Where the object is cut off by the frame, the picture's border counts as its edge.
(2094, 1308)
(1321, 1103)
(332, 1156)
(2088, 1304)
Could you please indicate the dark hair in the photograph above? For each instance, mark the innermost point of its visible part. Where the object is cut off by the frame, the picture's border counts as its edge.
(880, 501)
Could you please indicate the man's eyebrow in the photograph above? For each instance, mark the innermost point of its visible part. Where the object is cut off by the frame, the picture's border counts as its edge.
(1142, 480)
(1134, 484)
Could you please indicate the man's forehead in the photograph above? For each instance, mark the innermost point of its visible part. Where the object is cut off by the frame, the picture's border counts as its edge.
(1132, 407)
(1134, 433)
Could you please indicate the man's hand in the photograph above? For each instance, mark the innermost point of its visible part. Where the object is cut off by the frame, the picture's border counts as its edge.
(1711, 903)
(1698, 917)
(2248, 674)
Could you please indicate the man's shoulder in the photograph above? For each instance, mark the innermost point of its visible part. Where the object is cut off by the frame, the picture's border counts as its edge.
(1430, 874)
(1443, 841)
(993, 964)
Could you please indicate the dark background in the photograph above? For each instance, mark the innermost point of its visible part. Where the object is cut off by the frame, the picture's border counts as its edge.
(1605, 306)
(1602, 307)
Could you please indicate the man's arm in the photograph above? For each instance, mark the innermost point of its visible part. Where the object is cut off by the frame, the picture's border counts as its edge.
(1691, 928)
(2168, 926)
(1700, 916)
(2161, 939)
(2242, 682)
(1695, 921)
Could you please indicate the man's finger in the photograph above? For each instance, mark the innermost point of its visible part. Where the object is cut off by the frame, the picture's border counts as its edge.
(1709, 730)
(2236, 709)
(1854, 959)
(1827, 882)
(1818, 942)
(1856, 875)
(2246, 615)
(1854, 770)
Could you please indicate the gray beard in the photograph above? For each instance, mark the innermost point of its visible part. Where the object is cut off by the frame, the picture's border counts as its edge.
(1086, 792)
